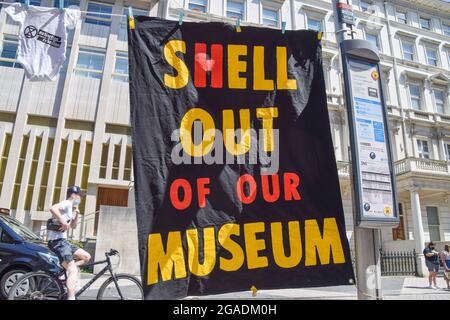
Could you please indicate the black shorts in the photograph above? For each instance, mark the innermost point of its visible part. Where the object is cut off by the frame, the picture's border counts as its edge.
(63, 249)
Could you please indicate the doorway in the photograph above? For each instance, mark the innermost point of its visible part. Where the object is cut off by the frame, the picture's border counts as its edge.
(109, 197)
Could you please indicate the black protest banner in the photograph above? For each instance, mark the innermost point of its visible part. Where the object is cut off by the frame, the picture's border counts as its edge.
(235, 177)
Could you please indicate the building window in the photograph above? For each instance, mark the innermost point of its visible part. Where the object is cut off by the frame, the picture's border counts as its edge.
(448, 57)
(364, 5)
(446, 29)
(415, 97)
(90, 63)
(422, 148)
(235, 10)
(431, 57)
(198, 5)
(401, 17)
(57, 195)
(74, 162)
(399, 232)
(99, 14)
(374, 39)
(104, 160)
(33, 172)
(128, 164)
(19, 172)
(315, 24)
(85, 175)
(116, 162)
(408, 50)
(121, 67)
(8, 52)
(270, 17)
(433, 223)
(439, 101)
(447, 151)
(45, 173)
(4, 157)
(32, 2)
(425, 23)
(67, 3)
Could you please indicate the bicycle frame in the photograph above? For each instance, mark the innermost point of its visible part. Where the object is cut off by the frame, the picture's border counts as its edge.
(98, 275)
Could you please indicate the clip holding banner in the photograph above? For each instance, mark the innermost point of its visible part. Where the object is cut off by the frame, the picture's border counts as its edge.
(238, 24)
(61, 5)
(319, 35)
(283, 27)
(180, 18)
(130, 18)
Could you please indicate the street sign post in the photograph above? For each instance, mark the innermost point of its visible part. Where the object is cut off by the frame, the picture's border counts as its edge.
(345, 13)
(374, 197)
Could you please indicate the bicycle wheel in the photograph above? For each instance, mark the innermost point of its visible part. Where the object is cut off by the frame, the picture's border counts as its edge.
(129, 286)
(36, 286)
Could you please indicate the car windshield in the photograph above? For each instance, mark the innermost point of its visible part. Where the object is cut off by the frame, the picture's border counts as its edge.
(20, 229)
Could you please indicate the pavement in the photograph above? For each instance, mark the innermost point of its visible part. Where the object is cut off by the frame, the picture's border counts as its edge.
(393, 288)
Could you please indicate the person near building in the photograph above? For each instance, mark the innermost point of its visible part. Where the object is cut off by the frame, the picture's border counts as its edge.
(72, 257)
(432, 262)
(445, 258)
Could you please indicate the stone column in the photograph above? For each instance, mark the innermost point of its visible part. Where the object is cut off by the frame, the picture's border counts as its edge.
(419, 241)
(448, 204)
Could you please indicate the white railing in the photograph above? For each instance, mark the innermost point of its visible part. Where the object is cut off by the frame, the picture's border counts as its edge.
(421, 165)
(401, 167)
(432, 165)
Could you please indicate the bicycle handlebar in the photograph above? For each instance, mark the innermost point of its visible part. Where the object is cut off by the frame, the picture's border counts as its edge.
(112, 252)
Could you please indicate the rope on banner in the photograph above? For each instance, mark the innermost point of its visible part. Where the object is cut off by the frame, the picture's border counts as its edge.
(181, 18)
(82, 11)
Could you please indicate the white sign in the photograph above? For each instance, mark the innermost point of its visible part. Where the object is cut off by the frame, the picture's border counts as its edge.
(377, 199)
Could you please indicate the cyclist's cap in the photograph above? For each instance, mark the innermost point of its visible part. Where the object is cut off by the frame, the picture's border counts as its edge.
(75, 189)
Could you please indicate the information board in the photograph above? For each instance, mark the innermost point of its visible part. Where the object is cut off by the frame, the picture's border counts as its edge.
(374, 181)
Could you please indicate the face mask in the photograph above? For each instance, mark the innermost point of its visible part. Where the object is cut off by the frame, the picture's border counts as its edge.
(76, 202)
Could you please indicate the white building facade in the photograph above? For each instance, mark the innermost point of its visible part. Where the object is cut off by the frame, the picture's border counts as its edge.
(76, 130)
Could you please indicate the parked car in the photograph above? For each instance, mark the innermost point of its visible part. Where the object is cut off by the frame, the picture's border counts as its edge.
(21, 251)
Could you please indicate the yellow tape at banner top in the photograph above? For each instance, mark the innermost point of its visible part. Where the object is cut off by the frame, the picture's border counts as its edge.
(131, 22)
(319, 35)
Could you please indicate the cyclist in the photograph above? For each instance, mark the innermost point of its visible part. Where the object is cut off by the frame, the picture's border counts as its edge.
(66, 213)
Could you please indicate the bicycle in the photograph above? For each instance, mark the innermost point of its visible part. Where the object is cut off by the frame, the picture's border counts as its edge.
(42, 285)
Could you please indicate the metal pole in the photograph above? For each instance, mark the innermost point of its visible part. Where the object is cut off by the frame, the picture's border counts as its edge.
(367, 241)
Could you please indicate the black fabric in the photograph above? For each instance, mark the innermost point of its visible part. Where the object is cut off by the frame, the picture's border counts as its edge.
(305, 145)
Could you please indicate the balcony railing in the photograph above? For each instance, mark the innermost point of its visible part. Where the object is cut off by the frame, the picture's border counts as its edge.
(419, 165)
